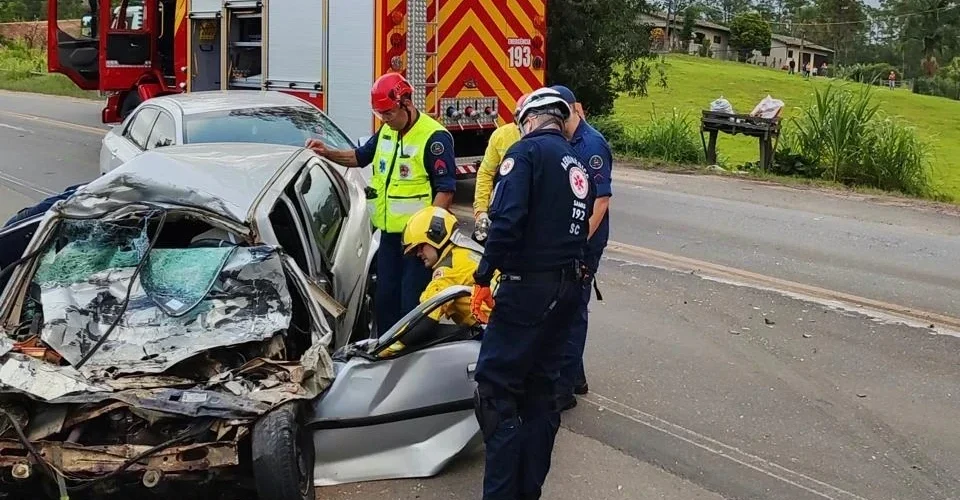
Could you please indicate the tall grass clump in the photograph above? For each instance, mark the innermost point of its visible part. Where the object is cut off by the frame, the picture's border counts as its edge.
(847, 134)
(895, 160)
(19, 61)
(671, 138)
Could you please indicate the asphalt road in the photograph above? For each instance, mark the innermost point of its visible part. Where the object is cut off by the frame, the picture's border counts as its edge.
(701, 388)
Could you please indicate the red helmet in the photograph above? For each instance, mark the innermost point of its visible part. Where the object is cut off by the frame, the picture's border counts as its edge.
(387, 92)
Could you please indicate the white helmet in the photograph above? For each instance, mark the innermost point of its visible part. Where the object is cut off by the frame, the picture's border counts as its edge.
(544, 101)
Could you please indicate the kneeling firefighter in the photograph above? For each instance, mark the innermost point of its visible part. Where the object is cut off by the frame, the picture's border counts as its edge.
(433, 235)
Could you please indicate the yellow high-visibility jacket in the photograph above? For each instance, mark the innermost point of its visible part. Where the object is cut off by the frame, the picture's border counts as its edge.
(500, 141)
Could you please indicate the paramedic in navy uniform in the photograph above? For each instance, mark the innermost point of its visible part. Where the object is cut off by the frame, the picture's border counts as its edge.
(539, 221)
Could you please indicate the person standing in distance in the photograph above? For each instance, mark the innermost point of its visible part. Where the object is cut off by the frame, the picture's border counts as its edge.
(539, 220)
(413, 167)
(500, 140)
(595, 152)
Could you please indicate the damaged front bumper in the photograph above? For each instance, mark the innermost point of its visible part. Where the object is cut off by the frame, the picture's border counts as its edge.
(77, 460)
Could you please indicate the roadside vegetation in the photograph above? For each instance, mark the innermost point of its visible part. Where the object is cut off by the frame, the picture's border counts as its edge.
(833, 131)
(841, 130)
(24, 69)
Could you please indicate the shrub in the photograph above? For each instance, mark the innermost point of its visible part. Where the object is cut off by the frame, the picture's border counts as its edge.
(894, 159)
(843, 136)
(19, 61)
(670, 138)
(831, 130)
(867, 73)
(613, 131)
(937, 86)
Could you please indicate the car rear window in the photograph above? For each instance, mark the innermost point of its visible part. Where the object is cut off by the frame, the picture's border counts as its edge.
(290, 126)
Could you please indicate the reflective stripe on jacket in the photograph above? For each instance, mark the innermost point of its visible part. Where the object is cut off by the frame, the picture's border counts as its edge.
(400, 177)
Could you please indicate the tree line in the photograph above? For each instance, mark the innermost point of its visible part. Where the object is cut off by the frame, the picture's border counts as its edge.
(36, 10)
(601, 47)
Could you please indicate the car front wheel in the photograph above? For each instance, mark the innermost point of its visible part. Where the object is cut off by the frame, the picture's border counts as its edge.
(283, 456)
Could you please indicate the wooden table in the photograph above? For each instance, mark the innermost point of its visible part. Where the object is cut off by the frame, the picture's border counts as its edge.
(766, 130)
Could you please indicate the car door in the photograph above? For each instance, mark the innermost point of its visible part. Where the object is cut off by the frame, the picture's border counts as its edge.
(132, 137)
(335, 214)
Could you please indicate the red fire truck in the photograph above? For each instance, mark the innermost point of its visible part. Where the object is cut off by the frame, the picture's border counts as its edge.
(469, 60)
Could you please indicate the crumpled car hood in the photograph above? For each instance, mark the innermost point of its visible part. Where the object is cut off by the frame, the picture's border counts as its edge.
(184, 302)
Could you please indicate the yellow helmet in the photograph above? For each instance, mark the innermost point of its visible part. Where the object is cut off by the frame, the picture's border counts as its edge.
(431, 225)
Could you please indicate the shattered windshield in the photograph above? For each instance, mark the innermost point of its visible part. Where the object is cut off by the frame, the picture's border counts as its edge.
(184, 300)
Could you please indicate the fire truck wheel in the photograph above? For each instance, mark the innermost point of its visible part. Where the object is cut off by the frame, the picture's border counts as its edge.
(130, 103)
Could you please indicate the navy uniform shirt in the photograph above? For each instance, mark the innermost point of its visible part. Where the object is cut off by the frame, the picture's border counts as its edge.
(439, 160)
(595, 153)
(540, 207)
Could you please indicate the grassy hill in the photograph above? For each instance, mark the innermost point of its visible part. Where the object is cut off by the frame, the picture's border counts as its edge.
(694, 82)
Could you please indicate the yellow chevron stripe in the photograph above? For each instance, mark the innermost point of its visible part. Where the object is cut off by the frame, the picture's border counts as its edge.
(447, 8)
(471, 20)
(180, 15)
(501, 22)
(470, 54)
(508, 100)
(520, 14)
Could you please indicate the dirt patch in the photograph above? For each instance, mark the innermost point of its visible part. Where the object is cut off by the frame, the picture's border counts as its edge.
(35, 33)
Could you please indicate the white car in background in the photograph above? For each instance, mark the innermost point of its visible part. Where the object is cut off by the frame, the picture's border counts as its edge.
(248, 116)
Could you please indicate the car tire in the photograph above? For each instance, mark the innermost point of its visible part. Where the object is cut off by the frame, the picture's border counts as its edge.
(283, 455)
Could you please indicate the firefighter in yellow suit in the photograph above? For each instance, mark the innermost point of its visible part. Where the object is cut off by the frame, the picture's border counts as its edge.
(432, 234)
(500, 141)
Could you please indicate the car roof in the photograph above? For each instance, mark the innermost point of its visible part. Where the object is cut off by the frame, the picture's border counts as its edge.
(226, 178)
(192, 103)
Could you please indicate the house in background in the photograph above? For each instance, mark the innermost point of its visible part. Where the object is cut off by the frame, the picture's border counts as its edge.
(785, 48)
(717, 35)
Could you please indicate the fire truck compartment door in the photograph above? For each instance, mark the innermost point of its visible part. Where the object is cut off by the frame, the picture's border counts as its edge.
(296, 45)
(206, 6)
(350, 66)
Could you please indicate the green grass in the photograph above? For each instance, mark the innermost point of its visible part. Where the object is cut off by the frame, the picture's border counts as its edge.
(694, 82)
(53, 84)
(19, 68)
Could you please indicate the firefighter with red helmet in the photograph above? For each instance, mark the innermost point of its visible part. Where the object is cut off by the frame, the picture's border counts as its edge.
(413, 167)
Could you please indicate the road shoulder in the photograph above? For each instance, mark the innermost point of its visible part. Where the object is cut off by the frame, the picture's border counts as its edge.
(582, 469)
(11, 202)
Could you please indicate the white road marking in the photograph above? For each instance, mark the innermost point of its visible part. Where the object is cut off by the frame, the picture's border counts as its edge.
(18, 129)
(888, 315)
(57, 123)
(25, 184)
(732, 453)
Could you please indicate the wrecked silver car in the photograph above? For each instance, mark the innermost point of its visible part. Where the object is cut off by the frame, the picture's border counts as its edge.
(174, 320)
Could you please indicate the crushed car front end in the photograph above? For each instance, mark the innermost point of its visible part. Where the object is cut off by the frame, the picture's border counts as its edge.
(144, 342)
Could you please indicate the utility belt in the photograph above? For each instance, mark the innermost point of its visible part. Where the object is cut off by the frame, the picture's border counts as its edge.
(575, 271)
